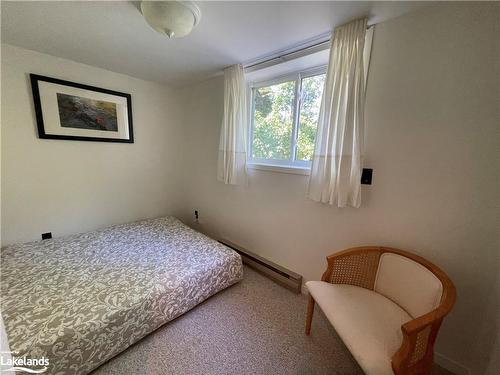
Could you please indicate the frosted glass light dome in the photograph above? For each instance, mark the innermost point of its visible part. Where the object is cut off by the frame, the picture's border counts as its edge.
(172, 18)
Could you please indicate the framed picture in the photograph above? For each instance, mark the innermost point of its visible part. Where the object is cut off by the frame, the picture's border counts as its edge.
(72, 111)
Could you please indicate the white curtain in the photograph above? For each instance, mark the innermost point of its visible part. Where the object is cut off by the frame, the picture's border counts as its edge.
(336, 166)
(231, 167)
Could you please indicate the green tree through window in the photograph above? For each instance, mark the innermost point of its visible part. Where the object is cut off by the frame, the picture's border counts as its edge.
(274, 119)
(312, 89)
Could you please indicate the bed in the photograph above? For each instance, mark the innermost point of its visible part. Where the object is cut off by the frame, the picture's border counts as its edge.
(82, 299)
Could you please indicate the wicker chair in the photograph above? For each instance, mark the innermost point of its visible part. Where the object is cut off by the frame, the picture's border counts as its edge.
(387, 306)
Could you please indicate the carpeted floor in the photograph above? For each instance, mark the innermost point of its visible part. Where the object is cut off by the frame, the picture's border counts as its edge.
(254, 327)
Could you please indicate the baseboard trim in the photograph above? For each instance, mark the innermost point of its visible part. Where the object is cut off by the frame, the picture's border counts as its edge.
(281, 275)
(450, 364)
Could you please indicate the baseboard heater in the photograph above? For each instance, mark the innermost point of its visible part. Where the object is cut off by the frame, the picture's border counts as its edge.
(281, 275)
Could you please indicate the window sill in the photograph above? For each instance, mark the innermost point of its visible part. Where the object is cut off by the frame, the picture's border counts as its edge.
(305, 171)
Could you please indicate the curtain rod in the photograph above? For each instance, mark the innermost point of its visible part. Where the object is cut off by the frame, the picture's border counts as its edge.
(294, 54)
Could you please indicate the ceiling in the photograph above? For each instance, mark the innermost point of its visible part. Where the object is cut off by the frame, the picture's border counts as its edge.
(114, 36)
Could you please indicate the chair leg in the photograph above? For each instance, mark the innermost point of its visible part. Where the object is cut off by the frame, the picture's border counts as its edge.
(310, 311)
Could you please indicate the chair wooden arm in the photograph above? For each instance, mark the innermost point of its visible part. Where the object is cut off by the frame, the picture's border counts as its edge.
(415, 356)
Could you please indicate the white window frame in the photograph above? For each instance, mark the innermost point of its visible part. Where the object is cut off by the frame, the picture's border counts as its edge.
(292, 165)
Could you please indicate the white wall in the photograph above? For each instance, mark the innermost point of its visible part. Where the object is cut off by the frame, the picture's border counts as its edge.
(492, 341)
(72, 186)
(433, 141)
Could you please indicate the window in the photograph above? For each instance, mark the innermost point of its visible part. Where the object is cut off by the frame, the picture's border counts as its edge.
(284, 119)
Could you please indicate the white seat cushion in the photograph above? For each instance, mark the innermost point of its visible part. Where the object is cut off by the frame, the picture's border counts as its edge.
(412, 286)
(367, 322)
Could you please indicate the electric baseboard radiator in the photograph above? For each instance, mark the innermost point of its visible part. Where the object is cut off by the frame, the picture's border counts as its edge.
(281, 275)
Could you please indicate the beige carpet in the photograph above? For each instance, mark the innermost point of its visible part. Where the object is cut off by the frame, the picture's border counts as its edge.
(254, 327)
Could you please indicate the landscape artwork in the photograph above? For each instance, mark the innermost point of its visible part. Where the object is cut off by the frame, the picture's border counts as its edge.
(83, 113)
(74, 111)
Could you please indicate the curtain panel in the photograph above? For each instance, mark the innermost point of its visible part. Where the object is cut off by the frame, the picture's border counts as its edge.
(231, 168)
(336, 168)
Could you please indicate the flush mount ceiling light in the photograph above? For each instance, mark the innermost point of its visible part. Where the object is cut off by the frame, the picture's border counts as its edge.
(172, 18)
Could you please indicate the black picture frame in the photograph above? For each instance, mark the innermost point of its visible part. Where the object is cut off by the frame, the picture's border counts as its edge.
(35, 78)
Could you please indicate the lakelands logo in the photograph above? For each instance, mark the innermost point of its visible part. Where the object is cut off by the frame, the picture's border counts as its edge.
(23, 364)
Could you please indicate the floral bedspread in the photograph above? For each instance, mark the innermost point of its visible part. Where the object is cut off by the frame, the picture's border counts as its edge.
(82, 299)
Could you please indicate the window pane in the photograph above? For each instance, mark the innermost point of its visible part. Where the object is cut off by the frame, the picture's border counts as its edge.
(312, 89)
(273, 119)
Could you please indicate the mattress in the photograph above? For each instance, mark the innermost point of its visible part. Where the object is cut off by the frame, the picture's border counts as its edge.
(82, 299)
